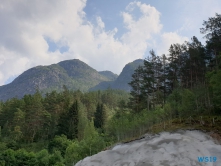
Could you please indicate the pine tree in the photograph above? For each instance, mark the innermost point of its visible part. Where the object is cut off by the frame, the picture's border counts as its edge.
(73, 120)
(100, 116)
(163, 79)
(195, 63)
(34, 119)
(173, 69)
(68, 122)
(136, 95)
(212, 31)
(147, 87)
(53, 104)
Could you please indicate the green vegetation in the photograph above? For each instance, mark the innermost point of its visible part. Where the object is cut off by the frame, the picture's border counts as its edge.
(181, 90)
(57, 129)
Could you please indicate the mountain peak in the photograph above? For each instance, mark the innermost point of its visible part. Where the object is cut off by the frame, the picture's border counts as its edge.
(123, 79)
(110, 75)
(74, 74)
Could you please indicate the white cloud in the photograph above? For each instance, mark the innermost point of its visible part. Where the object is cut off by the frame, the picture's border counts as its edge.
(100, 23)
(142, 29)
(140, 32)
(10, 66)
(27, 24)
(166, 39)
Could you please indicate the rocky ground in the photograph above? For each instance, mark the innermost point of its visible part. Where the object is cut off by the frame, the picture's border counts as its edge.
(182, 147)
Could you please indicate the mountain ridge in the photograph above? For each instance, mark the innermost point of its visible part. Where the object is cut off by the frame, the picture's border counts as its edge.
(74, 74)
(122, 80)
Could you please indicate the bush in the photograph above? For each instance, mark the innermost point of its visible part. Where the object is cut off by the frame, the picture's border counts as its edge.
(59, 143)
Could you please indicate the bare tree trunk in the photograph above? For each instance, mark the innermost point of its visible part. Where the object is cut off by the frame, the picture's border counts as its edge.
(197, 107)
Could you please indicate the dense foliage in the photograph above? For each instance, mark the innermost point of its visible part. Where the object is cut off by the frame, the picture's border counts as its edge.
(64, 125)
(190, 69)
(62, 128)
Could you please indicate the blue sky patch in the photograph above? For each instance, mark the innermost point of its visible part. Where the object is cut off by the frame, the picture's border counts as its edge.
(63, 49)
(55, 46)
(52, 45)
(10, 79)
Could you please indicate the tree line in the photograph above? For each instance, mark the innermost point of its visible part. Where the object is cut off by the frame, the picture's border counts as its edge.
(189, 66)
(59, 120)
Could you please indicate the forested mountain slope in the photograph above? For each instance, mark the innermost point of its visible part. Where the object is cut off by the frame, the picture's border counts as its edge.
(74, 74)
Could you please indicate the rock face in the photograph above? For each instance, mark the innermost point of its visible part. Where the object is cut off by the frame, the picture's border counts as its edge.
(122, 80)
(166, 149)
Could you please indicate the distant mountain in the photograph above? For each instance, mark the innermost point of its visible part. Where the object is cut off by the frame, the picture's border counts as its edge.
(74, 74)
(122, 80)
(111, 76)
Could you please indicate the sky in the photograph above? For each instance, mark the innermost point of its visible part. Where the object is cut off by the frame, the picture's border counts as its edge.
(105, 34)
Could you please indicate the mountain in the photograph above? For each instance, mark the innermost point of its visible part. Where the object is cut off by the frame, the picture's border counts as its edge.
(111, 76)
(122, 80)
(74, 74)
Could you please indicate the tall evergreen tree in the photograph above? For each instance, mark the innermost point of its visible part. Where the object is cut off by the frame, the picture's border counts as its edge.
(73, 121)
(173, 68)
(212, 31)
(68, 122)
(100, 116)
(148, 84)
(136, 94)
(34, 119)
(163, 60)
(147, 87)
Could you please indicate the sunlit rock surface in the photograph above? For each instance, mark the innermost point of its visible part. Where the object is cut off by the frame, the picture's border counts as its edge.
(181, 148)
